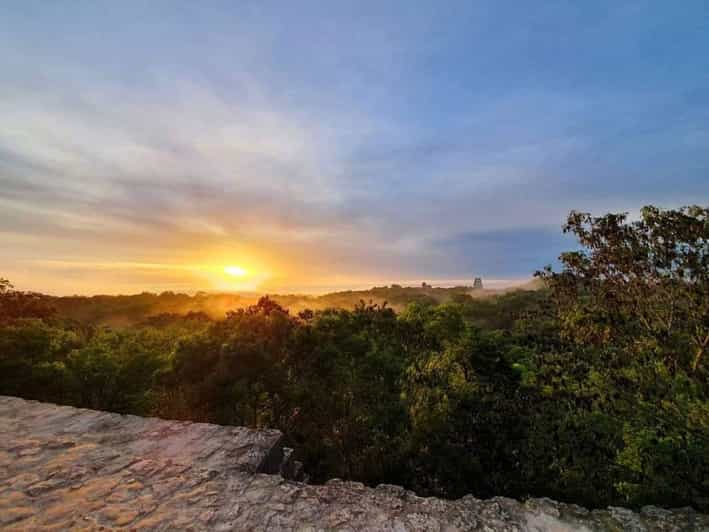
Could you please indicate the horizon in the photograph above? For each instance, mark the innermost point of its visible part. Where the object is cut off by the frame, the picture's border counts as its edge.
(311, 291)
(223, 147)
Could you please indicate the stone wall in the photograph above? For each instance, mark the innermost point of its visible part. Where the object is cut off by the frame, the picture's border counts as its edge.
(68, 468)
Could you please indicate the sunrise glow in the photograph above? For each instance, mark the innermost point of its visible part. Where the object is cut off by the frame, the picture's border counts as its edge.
(159, 171)
(236, 271)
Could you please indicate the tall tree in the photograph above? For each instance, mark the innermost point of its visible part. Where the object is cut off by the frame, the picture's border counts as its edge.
(640, 284)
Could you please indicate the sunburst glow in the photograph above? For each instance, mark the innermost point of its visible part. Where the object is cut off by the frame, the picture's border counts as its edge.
(236, 271)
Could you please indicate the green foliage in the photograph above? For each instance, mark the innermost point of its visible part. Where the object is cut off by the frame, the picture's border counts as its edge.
(347, 367)
(640, 285)
(592, 389)
(140, 309)
(116, 371)
(632, 307)
(232, 373)
(15, 304)
(32, 354)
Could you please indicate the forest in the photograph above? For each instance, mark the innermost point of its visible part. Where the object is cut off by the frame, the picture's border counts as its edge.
(591, 389)
(126, 310)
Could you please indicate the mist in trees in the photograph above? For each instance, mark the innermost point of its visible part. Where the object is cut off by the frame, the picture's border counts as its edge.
(592, 389)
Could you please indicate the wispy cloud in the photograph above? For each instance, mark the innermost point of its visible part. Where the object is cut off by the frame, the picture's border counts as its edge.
(369, 142)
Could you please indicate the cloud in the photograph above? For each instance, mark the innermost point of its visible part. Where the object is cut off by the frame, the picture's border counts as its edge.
(508, 253)
(369, 142)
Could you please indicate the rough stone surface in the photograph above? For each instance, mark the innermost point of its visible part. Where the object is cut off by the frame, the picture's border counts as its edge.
(65, 468)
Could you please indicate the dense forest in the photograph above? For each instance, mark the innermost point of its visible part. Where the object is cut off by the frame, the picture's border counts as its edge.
(592, 389)
(122, 311)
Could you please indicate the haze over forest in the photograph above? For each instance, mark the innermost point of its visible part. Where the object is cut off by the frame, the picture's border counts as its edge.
(276, 214)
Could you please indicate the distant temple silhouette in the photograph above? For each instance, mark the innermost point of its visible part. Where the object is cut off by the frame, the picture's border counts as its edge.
(478, 283)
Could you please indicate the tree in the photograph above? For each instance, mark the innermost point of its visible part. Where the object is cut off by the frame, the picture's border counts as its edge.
(15, 304)
(642, 285)
(348, 417)
(634, 322)
(234, 372)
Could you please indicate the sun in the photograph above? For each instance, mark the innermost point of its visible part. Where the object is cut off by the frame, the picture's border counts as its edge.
(236, 271)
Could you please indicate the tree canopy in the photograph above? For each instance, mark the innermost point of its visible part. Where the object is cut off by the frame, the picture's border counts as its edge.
(593, 389)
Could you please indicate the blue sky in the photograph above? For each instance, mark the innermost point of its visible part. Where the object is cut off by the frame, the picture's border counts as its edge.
(335, 143)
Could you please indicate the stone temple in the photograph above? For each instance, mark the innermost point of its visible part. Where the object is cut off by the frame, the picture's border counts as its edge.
(64, 468)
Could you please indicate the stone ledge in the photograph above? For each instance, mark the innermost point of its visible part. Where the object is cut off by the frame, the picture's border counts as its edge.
(66, 468)
(182, 442)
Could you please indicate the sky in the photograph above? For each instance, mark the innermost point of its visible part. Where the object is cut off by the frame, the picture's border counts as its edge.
(146, 146)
